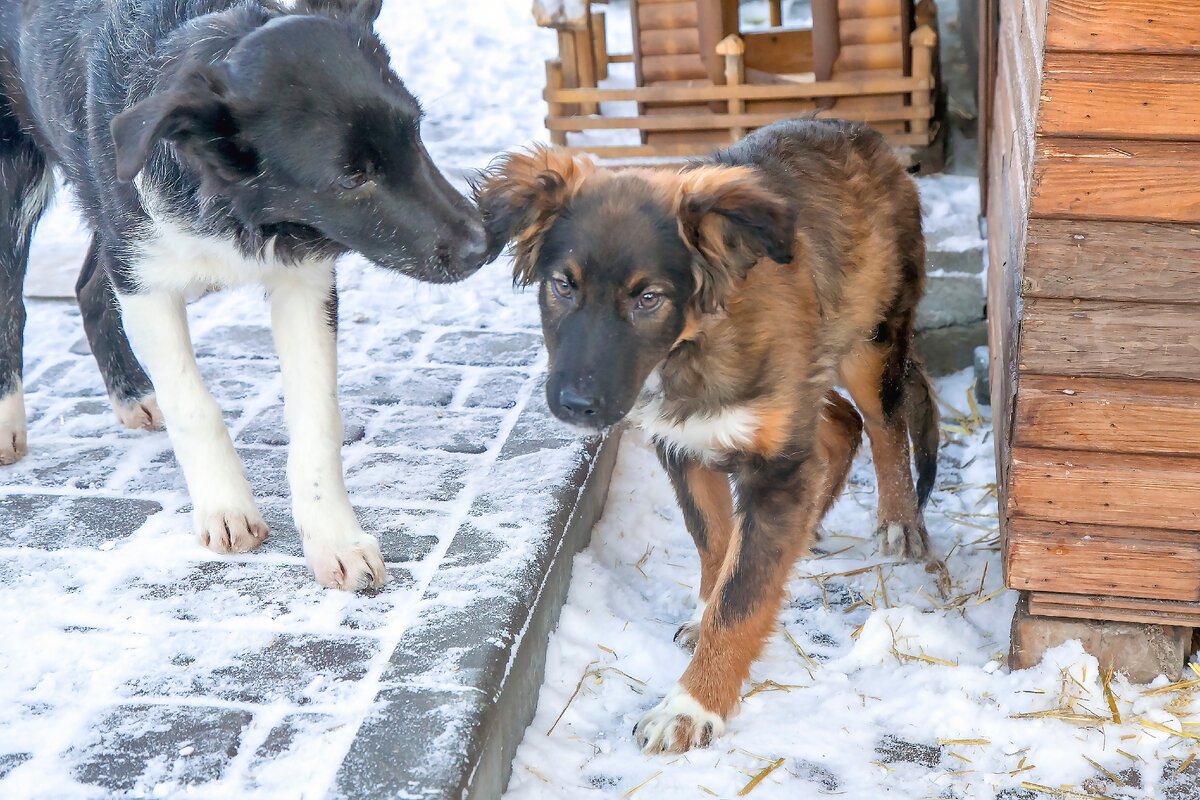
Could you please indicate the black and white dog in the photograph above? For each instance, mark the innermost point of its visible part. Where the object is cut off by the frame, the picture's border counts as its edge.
(213, 143)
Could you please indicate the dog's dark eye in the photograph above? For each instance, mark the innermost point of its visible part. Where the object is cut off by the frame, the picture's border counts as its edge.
(352, 182)
(561, 288)
(650, 301)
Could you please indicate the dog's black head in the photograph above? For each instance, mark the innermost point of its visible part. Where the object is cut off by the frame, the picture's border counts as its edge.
(627, 262)
(304, 124)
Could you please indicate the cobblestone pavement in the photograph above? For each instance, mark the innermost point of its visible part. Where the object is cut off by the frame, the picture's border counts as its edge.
(136, 662)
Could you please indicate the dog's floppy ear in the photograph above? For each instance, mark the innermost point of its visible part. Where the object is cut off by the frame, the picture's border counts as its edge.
(196, 117)
(730, 220)
(362, 10)
(520, 195)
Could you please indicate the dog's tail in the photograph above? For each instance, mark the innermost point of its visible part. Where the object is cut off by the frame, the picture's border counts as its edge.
(922, 416)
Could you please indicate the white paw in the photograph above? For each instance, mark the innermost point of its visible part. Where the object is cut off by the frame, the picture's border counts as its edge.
(12, 428)
(678, 724)
(344, 561)
(231, 531)
(907, 542)
(142, 414)
(688, 635)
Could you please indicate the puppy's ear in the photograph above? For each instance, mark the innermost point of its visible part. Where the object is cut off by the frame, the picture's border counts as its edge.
(366, 11)
(520, 195)
(730, 220)
(195, 116)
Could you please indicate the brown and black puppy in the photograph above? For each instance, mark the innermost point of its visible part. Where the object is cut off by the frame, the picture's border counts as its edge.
(717, 307)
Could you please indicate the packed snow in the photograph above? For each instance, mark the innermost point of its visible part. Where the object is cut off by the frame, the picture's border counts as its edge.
(882, 678)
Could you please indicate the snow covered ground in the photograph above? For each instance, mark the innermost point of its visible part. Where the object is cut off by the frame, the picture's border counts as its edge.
(882, 680)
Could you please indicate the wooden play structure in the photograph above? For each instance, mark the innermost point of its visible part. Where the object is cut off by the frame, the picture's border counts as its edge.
(700, 81)
(1094, 313)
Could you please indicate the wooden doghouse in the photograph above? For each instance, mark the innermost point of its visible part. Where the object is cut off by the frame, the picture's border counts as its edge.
(700, 81)
(1094, 285)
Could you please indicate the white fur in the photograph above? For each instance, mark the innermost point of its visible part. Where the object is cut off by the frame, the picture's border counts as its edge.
(895, 538)
(708, 437)
(35, 200)
(340, 553)
(12, 426)
(658, 727)
(173, 259)
(224, 512)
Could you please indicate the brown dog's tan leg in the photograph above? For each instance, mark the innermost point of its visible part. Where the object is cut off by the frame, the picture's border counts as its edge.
(707, 504)
(780, 505)
(901, 527)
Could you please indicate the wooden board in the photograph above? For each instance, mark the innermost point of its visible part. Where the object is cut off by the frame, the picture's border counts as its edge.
(1117, 180)
(1103, 560)
(1094, 260)
(1105, 489)
(870, 30)
(1120, 96)
(1118, 609)
(1124, 26)
(1105, 339)
(1108, 416)
(780, 52)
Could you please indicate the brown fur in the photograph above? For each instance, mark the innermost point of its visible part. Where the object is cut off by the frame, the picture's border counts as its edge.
(806, 265)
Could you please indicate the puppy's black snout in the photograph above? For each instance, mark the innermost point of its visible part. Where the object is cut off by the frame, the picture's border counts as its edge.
(583, 406)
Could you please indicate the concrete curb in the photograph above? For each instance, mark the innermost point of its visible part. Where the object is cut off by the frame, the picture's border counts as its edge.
(453, 734)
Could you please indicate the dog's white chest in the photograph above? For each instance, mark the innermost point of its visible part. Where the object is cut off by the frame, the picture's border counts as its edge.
(172, 258)
(708, 437)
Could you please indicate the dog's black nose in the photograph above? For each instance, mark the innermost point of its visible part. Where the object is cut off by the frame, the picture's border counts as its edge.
(578, 405)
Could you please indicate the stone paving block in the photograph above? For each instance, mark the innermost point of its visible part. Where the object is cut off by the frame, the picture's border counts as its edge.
(253, 667)
(215, 592)
(292, 732)
(405, 535)
(1181, 784)
(399, 346)
(78, 467)
(73, 377)
(428, 429)
(486, 349)
(496, 389)
(968, 260)
(815, 773)
(946, 350)
(270, 426)
(138, 747)
(53, 522)
(398, 477)
(252, 342)
(382, 385)
(10, 761)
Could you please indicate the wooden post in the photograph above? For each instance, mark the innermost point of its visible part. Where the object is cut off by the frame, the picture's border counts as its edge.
(923, 41)
(568, 61)
(584, 53)
(733, 49)
(776, 7)
(554, 82)
(600, 44)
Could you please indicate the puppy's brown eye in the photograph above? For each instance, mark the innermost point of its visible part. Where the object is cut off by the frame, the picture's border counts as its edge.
(561, 288)
(650, 301)
(352, 182)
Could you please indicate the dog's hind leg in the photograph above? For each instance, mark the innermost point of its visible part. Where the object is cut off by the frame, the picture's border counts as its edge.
(129, 389)
(26, 186)
(224, 513)
(304, 324)
(875, 374)
(707, 504)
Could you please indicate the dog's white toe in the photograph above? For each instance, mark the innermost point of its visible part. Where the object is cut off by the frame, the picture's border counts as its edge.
(678, 724)
(350, 563)
(231, 531)
(142, 414)
(12, 427)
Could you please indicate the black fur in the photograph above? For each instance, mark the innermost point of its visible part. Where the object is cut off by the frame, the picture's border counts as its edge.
(277, 130)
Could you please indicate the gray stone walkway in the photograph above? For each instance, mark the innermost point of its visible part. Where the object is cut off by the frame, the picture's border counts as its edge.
(136, 663)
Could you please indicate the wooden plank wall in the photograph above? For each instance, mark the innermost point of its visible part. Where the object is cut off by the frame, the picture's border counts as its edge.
(1094, 297)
